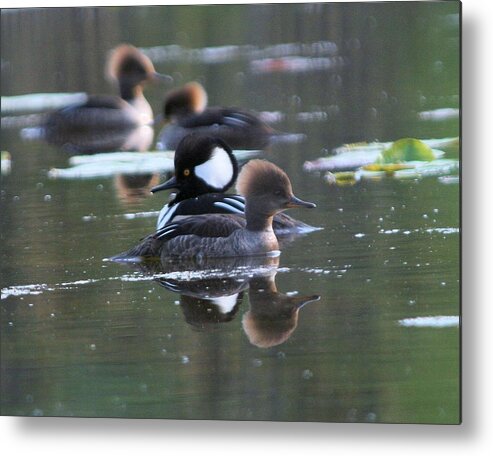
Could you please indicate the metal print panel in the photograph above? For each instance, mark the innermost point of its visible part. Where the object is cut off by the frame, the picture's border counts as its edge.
(225, 294)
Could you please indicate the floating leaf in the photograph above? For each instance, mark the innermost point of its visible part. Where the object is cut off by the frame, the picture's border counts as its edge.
(441, 114)
(352, 156)
(388, 168)
(111, 163)
(341, 178)
(449, 179)
(35, 102)
(6, 162)
(405, 150)
(434, 168)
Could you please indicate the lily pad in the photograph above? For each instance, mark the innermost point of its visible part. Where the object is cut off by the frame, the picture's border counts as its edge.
(355, 155)
(341, 178)
(111, 163)
(388, 168)
(405, 150)
(6, 162)
(36, 102)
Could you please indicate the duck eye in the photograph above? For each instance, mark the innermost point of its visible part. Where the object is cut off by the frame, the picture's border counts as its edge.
(186, 172)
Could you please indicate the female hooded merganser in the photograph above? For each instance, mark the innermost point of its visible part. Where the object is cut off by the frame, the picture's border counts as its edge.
(185, 111)
(73, 125)
(267, 191)
(205, 168)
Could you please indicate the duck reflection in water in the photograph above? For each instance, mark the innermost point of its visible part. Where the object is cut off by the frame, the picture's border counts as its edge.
(133, 188)
(273, 316)
(216, 296)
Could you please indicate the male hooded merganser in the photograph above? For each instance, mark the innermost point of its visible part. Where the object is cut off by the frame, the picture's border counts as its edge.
(267, 191)
(185, 110)
(106, 113)
(205, 168)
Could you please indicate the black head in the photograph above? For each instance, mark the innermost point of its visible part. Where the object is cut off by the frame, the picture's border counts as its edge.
(203, 164)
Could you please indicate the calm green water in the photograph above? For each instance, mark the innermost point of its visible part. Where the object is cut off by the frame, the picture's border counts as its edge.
(84, 337)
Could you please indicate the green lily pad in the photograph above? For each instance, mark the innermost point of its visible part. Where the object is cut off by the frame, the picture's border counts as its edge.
(388, 168)
(353, 156)
(405, 150)
(341, 178)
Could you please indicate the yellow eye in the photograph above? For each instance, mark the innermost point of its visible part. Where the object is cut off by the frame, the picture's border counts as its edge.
(186, 172)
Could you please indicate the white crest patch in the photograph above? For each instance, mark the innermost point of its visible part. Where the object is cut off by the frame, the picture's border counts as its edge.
(218, 170)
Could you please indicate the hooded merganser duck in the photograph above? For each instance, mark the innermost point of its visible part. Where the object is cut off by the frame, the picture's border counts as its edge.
(267, 191)
(205, 168)
(102, 114)
(185, 110)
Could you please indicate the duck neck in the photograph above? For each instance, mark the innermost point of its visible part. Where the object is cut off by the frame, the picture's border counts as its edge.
(129, 91)
(257, 221)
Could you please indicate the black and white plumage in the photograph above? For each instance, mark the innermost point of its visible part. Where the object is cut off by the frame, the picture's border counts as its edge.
(185, 111)
(267, 191)
(205, 168)
(209, 203)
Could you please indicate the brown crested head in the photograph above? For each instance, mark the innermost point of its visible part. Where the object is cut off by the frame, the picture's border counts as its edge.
(259, 177)
(127, 62)
(267, 188)
(266, 333)
(186, 100)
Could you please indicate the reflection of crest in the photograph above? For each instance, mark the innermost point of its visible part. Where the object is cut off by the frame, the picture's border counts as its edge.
(132, 188)
(273, 316)
(212, 291)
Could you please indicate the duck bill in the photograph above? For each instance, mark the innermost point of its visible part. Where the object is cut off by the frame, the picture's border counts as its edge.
(296, 202)
(171, 183)
(304, 300)
(162, 77)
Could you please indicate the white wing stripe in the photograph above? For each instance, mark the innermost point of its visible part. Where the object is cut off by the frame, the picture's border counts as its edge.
(228, 207)
(235, 202)
(165, 216)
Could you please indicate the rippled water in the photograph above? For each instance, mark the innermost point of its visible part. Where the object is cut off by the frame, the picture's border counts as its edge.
(337, 327)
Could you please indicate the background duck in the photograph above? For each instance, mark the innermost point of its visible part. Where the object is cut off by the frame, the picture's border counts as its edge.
(267, 191)
(185, 111)
(205, 168)
(97, 124)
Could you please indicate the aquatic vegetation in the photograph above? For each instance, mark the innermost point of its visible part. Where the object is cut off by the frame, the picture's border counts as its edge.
(90, 166)
(37, 102)
(354, 155)
(406, 158)
(405, 150)
(440, 321)
(439, 115)
(6, 162)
